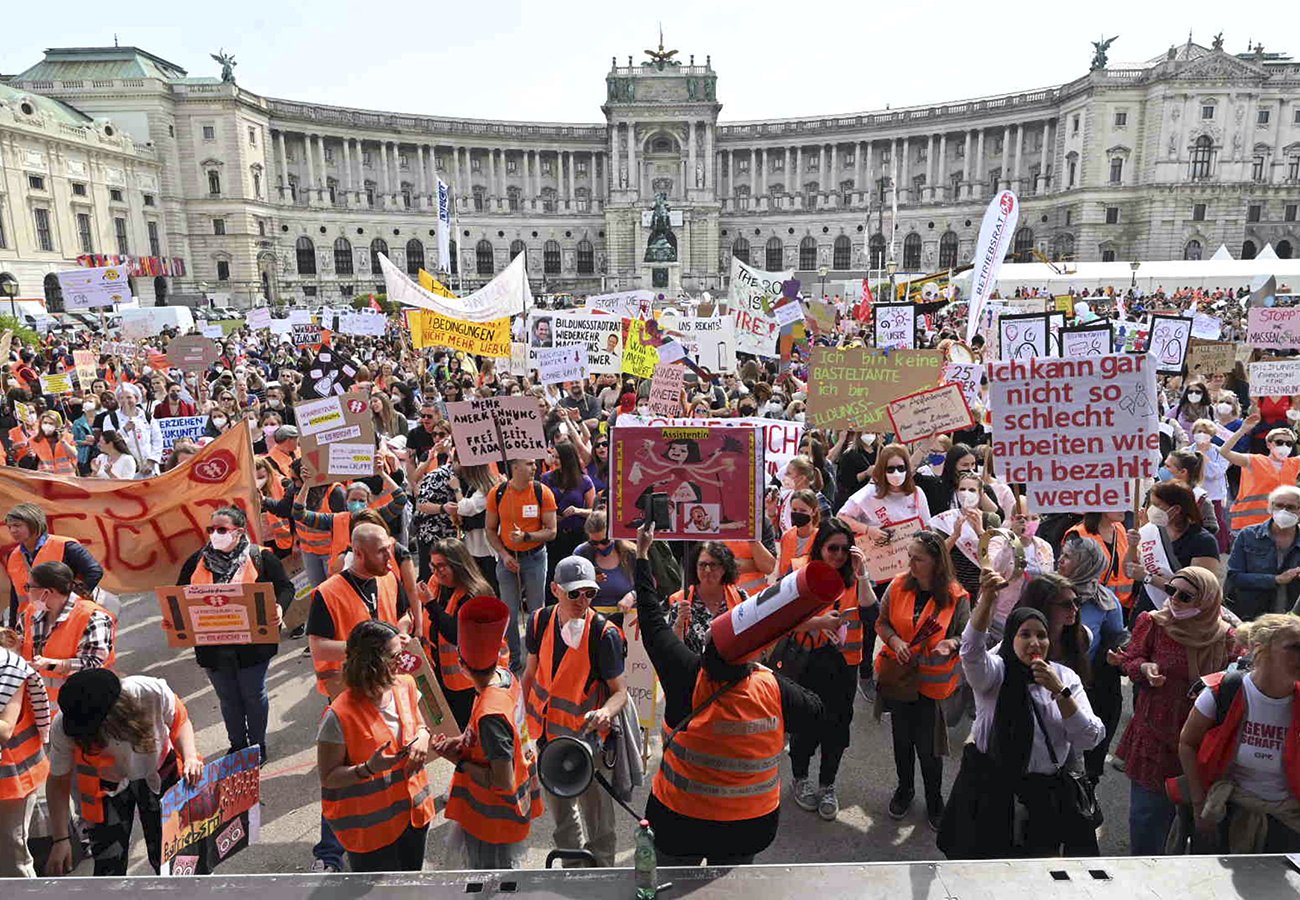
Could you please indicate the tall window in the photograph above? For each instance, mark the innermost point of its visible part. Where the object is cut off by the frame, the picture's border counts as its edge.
(1198, 212)
(1253, 212)
(223, 270)
(1284, 250)
(454, 252)
(807, 254)
(1257, 169)
(406, 196)
(583, 196)
(4, 242)
(342, 256)
(516, 247)
(484, 264)
(948, 250)
(1022, 247)
(586, 258)
(306, 253)
(214, 182)
(740, 250)
(83, 233)
(876, 251)
(551, 258)
(119, 232)
(1202, 157)
(1248, 250)
(370, 194)
(1116, 170)
(512, 198)
(774, 254)
(377, 246)
(548, 199)
(44, 237)
(332, 188)
(53, 293)
(414, 257)
(155, 245)
(1192, 250)
(480, 197)
(1112, 215)
(842, 257)
(219, 226)
(1293, 169)
(912, 252)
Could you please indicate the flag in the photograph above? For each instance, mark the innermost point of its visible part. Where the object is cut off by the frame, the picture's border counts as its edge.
(374, 304)
(505, 295)
(444, 227)
(862, 312)
(995, 236)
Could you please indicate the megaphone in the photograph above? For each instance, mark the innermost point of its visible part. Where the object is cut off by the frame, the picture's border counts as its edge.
(566, 766)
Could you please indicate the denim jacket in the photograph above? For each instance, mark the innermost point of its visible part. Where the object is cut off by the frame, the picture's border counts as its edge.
(1251, 569)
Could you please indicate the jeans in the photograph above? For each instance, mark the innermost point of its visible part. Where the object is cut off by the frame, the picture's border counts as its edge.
(482, 855)
(110, 839)
(244, 704)
(406, 854)
(328, 849)
(526, 588)
(1150, 813)
(317, 568)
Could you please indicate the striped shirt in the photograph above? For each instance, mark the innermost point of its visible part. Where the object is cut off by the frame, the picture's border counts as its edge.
(14, 671)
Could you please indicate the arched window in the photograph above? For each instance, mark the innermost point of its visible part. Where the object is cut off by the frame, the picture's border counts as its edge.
(1283, 249)
(1192, 250)
(842, 257)
(454, 252)
(516, 247)
(775, 254)
(342, 256)
(876, 248)
(484, 263)
(1248, 250)
(551, 258)
(912, 253)
(740, 250)
(53, 293)
(1022, 248)
(377, 246)
(807, 253)
(948, 250)
(414, 257)
(306, 256)
(1202, 157)
(586, 258)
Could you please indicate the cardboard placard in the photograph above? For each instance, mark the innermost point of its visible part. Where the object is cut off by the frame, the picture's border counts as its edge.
(666, 389)
(1211, 357)
(192, 352)
(639, 356)
(850, 389)
(1024, 336)
(495, 428)
(780, 437)
(821, 315)
(433, 703)
(927, 413)
(967, 376)
(1273, 327)
(305, 335)
(895, 326)
(208, 822)
(1170, 336)
(86, 361)
(560, 364)
(336, 438)
(212, 331)
(298, 610)
(1275, 379)
(887, 558)
(199, 615)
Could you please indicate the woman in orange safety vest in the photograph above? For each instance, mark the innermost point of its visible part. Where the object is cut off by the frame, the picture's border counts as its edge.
(53, 446)
(24, 765)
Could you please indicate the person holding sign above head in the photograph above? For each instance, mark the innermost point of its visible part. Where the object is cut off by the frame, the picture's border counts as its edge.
(238, 671)
(63, 633)
(30, 531)
(53, 446)
(1264, 567)
(520, 522)
(1260, 474)
(1170, 538)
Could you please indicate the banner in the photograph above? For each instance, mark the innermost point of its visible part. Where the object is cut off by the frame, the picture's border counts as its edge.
(86, 362)
(173, 430)
(1087, 340)
(753, 292)
(505, 295)
(94, 287)
(1170, 336)
(336, 436)
(142, 531)
(851, 388)
(996, 229)
(639, 356)
(431, 329)
(666, 389)
(433, 285)
(895, 326)
(1076, 432)
(560, 364)
(198, 615)
(780, 437)
(927, 413)
(1273, 327)
(602, 335)
(206, 823)
(444, 227)
(624, 304)
(495, 428)
(713, 478)
(1211, 357)
(1024, 336)
(259, 318)
(888, 557)
(58, 383)
(366, 324)
(1275, 379)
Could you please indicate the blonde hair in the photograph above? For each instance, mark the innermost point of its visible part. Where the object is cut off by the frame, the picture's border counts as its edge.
(1262, 633)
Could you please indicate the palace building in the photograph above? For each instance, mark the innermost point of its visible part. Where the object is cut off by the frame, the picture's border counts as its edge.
(215, 189)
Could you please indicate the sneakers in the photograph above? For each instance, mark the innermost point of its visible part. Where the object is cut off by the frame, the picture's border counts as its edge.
(828, 806)
(805, 794)
(321, 867)
(899, 804)
(934, 813)
(299, 632)
(867, 688)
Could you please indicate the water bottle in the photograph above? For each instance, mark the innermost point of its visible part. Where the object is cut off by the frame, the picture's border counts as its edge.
(645, 862)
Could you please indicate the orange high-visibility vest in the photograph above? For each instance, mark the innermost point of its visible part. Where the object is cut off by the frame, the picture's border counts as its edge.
(454, 677)
(280, 461)
(20, 572)
(373, 813)
(790, 559)
(724, 765)
(348, 610)
(23, 763)
(247, 573)
(325, 543)
(276, 530)
(751, 581)
(497, 817)
(851, 649)
(55, 457)
(938, 674)
(1258, 479)
(1113, 575)
(558, 703)
(64, 639)
(682, 599)
(20, 444)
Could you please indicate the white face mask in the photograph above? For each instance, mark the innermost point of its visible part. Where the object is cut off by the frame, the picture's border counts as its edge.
(571, 632)
(88, 407)
(1279, 451)
(223, 542)
(1224, 409)
(967, 499)
(1284, 518)
(48, 428)
(219, 421)
(261, 481)
(1293, 414)
(1182, 612)
(1203, 438)
(1157, 516)
(896, 478)
(1195, 396)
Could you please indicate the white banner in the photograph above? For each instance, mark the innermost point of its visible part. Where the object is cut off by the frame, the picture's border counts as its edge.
(444, 227)
(710, 341)
(624, 304)
(756, 330)
(995, 236)
(506, 295)
(371, 324)
(92, 288)
(602, 336)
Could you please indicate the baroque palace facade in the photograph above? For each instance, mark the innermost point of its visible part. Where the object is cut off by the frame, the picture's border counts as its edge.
(239, 194)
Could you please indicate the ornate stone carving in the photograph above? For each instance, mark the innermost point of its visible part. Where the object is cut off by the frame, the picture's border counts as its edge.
(227, 62)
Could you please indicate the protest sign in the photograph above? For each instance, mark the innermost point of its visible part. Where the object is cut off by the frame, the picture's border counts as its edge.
(300, 317)
(296, 571)
(431, 329)
(496, 428)
(895, 325)
(198, 615)
(1275, 379)
(215, 332)
(141, 531)
(780, 437)
(642, 682)
(90, 288)
(1086, 340)
(996, 229)
(789, 311)
(602, 335)
(433, 703)
(1170, 336)
(206, 823)
(1076, 432)
(330, 374)
(1273, 327)
(927, 413)
(560, 364)
(366, 324)
(753, 292)
(713, 478)
(1211, 357)
(821, 315)
(1024, 336)
(259, 318)
(306, 335)
(173, 429)
(967, 376)
(666, 389)
(87, 367)
(58, 383)
(119, 348)
(623, 305)
(138, 323)
(639, 356)
(710, 341)
(1206, 327)
(1064, 304)
(850, 388)
(888, 557)
(336, 436)
(192, 352)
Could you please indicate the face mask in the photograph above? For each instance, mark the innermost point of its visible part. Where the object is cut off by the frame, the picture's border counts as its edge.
(88, 407)
(261, 481)
(1279, 451)
(1182, 612)
(642, 409)
(1165, 474)
(967, 499)
(1224, 409)
(1203, 438)
(1284, 518)
(1293, 414)
(218, 421)
(356, 506)
(1031, 528)
(896, 479)
(571, 632)
(223, 542)
(48, 428)
(868, 439)
(798, 417)
(1157, 516)
(800, 519)
(935, 459)
(1194, 396)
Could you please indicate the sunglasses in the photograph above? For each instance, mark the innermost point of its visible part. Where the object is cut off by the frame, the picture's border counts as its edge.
(422, 417)
(836, 548)
(1183, 596)
(582, 594)
(895, 468)
(1284, 443)
(219, 529)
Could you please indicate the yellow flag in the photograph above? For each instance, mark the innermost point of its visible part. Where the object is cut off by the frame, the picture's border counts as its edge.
(639, 358)
(433, 285)
(431, 329)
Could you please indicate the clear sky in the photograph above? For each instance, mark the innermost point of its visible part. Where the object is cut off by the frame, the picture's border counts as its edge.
(509, 59)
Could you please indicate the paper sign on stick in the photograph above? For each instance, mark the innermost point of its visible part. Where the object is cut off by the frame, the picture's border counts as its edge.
(601, 334)
(87, 366)
(849, 389)
(259, 318)
(561, 364)
(200, 615)
(192, 352)
(927, 413)
(432, 329)
(968, 376)
(58, 383)
(666, 389)
(1273, 327)
(490, 429)
(1211, 357)
(1207, 327)
(639, 356)
(1275, 379)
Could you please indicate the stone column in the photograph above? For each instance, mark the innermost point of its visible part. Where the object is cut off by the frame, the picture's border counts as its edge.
(593, 192)
(457, 186)
(312, 193)
(284, 168)
(869, 170)
(731, 173)
(1006, 158)
(709, 156)
(797, 187)
(1041, 184)
(568, 175)
(633, 170)
(929, 168)
(980, 174)
(422, 189)
(941, 182)
(1020, 152)
(690, 178)
(753, 173)
(347, 171)
(611, 178)
(384, 176)
(762, 172)
(821, 169)
(965, 169)
(361, 171)
(906, 179)
(858, 149)
(832, 174)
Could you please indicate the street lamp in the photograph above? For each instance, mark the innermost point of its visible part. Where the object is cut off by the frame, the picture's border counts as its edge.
(822, 270)
(9, 288)
(1134, 267)
(891, 269)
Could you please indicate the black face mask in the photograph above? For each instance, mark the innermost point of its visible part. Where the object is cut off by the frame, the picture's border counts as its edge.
(800, 519)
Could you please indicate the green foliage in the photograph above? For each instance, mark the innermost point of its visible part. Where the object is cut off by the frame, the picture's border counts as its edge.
(21, 331)
(362, 301)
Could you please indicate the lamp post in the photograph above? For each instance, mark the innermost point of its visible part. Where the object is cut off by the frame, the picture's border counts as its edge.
(1133, 266)
(9, 288)
(891, 269)
(822, 271)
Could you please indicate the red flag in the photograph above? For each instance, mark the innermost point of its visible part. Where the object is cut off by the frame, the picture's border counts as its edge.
(862, 312)
(374, 304)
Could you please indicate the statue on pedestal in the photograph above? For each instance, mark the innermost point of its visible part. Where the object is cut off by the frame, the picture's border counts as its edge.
(1099, 49)
(662, 246)
(227, 62)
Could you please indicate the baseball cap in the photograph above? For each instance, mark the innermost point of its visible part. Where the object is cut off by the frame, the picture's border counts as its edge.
(285, 432)
(575, 572)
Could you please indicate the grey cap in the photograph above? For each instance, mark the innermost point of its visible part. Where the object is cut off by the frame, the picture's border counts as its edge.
(285, 432)
(575, 572)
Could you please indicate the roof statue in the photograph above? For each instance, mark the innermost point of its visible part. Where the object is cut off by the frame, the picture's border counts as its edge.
(662, 57)
(1099, 49)
(227, 61)
(1217, 43)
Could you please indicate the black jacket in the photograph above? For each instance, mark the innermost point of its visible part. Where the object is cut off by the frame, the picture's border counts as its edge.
(240, 656)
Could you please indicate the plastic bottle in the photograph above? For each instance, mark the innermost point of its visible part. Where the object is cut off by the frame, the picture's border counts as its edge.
(647, 876)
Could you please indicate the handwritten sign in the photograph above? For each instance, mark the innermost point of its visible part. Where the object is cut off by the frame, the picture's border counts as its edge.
(305, 335)
(368, 324)
(895, 325)
(560, 364)
(602, 335)
(173, 429)
(639, 356)
(927, 413)
(1273, 327)
(1087, 340)
(336, 438)
(1211, 357)
(750, 301)
(87, 366)
(967, 376)
(1275, 379)
(849, 389)
(1170, 337)
(1025, 336)
(200, 615)
(206, 823)
(259, 318)
(495, 428)
(888, 557)
(433, 703)
(666, 389)
(58, 383)
(1207, 327)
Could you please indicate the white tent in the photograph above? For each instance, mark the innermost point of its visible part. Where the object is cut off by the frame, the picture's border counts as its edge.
(1221, 254)
(1267, 253)
(1149, 276)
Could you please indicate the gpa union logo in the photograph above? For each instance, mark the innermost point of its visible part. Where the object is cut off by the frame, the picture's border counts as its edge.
(216, 600)
(407, 663)
(356, 407)
(215, 469)
(1006, 203)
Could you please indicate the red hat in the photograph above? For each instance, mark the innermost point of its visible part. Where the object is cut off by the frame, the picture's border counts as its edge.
(627, 402)
(481, 624)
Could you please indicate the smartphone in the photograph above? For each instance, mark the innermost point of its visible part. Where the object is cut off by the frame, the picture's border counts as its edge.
(659, 511)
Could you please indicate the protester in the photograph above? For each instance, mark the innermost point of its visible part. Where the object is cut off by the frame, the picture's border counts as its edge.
(1264, 567)
(1260, 474)
(63, 633)
(1176, 539)
(1106, 530)
(24, 765)
(710, 590)
(615, 565)
(115, 459)
(35, 545)
(139, 428)
(575, 500)
(520, 522)
(53, 445)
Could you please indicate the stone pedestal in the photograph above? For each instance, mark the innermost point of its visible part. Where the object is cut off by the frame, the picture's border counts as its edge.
(661, 277)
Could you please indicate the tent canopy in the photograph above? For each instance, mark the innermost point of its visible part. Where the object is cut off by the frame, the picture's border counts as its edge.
(1169, 274)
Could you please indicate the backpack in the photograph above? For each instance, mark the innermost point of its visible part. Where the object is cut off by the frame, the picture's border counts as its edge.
(537, 489)
(598, 623)
(1227, 692)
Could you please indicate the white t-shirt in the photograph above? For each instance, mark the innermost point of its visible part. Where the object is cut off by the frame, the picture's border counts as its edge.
(1257, 765)
(158, 702)
(331, 729)
(866, 507)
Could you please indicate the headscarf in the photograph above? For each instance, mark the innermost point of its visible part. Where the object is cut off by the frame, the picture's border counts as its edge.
(1203, 635)
(1012, 737)
(224, 565)
(1089, 564)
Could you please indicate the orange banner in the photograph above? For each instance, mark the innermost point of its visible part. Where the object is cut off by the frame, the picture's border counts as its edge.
(142, 531)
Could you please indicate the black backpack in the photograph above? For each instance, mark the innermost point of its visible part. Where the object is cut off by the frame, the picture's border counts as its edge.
(537, 489)
(598, 623)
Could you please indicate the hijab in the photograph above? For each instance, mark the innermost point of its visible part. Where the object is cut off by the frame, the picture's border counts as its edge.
(1012, 736)
(1203, 635)
(1089, 565)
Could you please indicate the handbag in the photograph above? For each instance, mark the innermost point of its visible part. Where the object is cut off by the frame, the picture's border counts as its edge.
(897, 681)
(1078, 798)
(790, 657)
